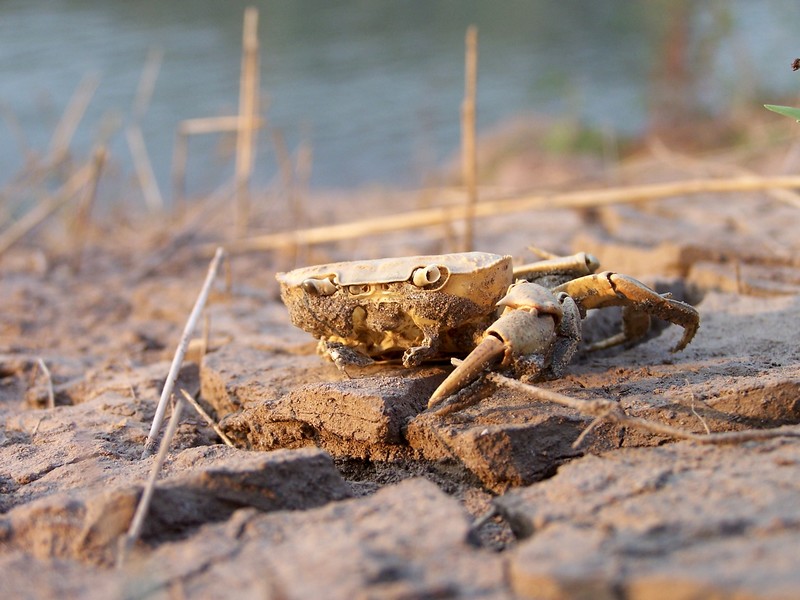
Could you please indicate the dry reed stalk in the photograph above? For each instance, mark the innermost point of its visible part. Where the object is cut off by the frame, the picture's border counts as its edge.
(65, 130)
(144, 168)
(469, 153)
(147, 83)
(678, 159)
(201, 125)
(207, 418)
(446, 214)
(135, 529)
(198, 126)
(17, 230)
(17, 131)
(80, 222)
(180, 352)
(248, 106)
(187, 227)
(608, 410)
(133, 133)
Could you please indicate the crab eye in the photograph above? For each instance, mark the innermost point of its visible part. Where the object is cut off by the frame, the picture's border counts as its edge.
(426, 275)
(318, 287)
(591, 262)
(358, 289)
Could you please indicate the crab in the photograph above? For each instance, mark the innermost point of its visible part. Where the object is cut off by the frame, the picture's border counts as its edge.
(472, 304)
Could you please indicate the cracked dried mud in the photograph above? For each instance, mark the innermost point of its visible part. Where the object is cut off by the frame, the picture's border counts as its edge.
(344, 486)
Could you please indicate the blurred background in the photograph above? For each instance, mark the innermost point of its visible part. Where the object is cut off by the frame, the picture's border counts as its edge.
(374, 88)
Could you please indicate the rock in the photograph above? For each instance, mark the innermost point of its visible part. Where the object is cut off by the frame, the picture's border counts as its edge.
(738, 278)
(26, 577)
(408, 540)
(679, 521)
(506, 440)
(215, 481)
(238, 375)
(357, 418)
(669, 236)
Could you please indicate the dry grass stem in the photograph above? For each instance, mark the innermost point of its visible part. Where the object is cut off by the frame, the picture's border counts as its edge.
(694, 412)
(248, 106)
(448, 214)
(13, 124)
(83, 213)
(224, 124)
(17, 230)
(65, 130)
(207, 418)
(147, 83)
(469, 153)
(199, 126)
(135, 529)
(180, 352)
(610, 411)
(680, 160)
(133, 132)
(144, 168)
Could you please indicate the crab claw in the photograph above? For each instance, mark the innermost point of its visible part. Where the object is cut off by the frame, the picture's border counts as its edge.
(523, 336)
(483, 356)
(639, 302)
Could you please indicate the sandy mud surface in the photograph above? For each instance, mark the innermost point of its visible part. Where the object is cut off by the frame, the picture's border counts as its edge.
(347, 487)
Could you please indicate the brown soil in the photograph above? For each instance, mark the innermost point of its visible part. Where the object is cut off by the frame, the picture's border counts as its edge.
(347, 487)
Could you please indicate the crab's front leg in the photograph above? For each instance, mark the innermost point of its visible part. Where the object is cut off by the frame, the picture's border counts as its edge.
(342, 355)
(536, 335)
(416, 355)
(638, 301)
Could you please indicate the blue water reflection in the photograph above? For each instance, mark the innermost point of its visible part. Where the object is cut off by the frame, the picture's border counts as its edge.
(374, 87)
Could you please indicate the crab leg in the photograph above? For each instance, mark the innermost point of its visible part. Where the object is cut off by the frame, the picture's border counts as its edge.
(523, 336)
(562, 268)
(638, 301)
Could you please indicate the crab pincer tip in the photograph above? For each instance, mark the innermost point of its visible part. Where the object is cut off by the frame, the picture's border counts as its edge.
(473, 365)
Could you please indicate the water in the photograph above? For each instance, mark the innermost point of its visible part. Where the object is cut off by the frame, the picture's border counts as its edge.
(373, 87)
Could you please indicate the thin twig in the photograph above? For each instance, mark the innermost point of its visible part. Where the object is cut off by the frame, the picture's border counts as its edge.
(447, 214)
(611, 411)
(213, 424)
(135, 529)
(694, 412)
(180, 352)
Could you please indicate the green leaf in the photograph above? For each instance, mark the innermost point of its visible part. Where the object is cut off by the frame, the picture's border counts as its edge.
(787, 111)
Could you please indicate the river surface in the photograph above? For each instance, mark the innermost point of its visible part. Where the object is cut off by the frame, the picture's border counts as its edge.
(373, 88)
